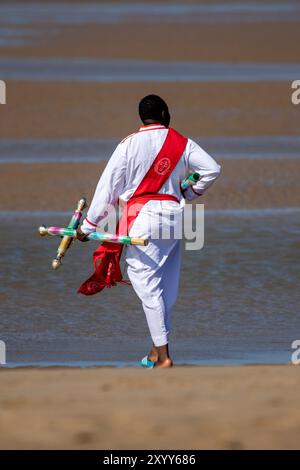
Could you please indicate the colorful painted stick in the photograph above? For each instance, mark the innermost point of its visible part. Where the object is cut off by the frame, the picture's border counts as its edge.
(191, 179)
(102, 237)
(67, 240)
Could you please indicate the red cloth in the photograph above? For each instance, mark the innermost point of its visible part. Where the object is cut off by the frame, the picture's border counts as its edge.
(107, 256)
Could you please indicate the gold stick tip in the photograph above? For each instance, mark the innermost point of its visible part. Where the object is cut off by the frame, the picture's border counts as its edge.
(82, 204)
(43, 230)
(56, 263)
(139, 241)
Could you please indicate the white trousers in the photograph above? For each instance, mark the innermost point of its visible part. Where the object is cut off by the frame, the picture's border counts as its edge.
(154, 269)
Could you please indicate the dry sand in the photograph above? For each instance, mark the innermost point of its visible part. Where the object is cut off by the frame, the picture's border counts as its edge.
(243, 184)
(184, 408)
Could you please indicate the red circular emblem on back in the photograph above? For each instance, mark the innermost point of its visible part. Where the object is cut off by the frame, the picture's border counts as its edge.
(162, 166)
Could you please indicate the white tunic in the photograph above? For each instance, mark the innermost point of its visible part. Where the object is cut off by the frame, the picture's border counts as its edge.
(153, 270)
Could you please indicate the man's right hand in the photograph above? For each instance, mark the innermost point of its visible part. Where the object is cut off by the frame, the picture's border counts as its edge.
(82, 237)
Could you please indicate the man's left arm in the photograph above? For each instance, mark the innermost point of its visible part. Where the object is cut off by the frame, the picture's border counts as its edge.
(200, 161)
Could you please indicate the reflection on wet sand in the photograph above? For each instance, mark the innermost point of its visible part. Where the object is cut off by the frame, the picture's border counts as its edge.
(233, 295)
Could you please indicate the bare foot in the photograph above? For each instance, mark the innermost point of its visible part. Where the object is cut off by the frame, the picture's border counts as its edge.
(152, 357)
(166, 363)
(153, 354)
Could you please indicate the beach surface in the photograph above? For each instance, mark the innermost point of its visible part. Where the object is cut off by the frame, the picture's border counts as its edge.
(244, 183)
(239, 297)
(56, 110)
(249, 407)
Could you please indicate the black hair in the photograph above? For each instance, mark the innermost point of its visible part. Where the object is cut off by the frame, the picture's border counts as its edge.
(155, 108)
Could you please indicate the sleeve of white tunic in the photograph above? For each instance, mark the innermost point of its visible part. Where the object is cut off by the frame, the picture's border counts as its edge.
(200, 161)
(108, 190)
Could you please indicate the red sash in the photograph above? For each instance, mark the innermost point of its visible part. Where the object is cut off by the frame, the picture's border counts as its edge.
(107, 256)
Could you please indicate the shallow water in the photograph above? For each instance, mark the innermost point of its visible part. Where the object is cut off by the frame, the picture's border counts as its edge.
(93, 150)
(110, 70)
(89, 12)
(238, 303)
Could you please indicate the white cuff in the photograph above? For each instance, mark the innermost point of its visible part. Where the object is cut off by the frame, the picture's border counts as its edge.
(87, 227)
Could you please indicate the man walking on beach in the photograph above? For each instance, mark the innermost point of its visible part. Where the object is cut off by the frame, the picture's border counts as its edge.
(144, 175)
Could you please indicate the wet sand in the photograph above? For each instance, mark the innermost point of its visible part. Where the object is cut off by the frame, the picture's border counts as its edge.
(246, 41)
(108, 110)
(243, 184)
(252, 407)
(89, 110)
(133, 36)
